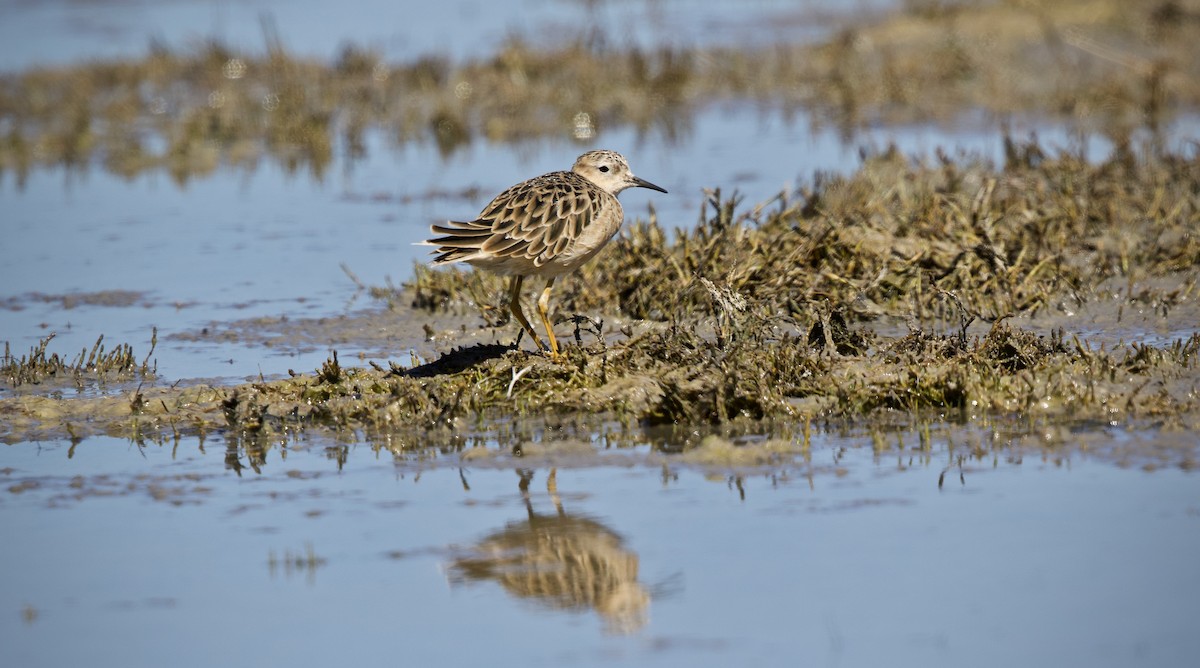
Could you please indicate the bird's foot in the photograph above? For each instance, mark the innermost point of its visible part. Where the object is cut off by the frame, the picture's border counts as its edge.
(556, 356)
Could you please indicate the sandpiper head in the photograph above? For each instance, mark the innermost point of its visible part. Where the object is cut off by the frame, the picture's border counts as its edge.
(610, 171)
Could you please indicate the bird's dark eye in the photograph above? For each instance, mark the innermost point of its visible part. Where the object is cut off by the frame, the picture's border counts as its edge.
(604, 168)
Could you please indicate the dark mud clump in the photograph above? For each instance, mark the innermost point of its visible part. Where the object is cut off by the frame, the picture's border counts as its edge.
(111, 298)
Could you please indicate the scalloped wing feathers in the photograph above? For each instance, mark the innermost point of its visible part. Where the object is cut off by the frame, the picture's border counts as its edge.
(537, 220)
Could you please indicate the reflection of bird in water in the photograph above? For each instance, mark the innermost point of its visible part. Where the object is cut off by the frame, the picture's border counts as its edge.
(562, 561)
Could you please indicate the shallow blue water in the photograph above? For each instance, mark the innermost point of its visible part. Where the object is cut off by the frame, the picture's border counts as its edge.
(854, 560)
(64, 31)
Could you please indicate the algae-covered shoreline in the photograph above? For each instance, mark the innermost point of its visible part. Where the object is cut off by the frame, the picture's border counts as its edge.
(937, 291)
(946, 289)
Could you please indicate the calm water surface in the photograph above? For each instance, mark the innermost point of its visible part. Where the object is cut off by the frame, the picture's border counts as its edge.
(333, 553)
(64, 31)
(128, 556)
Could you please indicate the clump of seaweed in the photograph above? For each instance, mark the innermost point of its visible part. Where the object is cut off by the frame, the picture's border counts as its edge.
(97, 364)
(953, 242)
(904, 289)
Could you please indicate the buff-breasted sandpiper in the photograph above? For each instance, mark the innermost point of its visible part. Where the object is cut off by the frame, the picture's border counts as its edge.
(547, 226)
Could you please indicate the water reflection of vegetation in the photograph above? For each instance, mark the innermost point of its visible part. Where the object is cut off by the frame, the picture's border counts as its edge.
(1104, 65)
(562, 561)
(290, 563)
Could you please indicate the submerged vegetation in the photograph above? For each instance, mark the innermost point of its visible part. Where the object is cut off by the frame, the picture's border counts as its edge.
(1106, 66)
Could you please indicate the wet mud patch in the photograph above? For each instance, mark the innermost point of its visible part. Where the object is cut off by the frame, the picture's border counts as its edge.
(370, 333)
(70, 300)
(1154, 310)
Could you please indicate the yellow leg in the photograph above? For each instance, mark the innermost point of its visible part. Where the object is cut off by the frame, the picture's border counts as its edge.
(514, 305)
(543, 304)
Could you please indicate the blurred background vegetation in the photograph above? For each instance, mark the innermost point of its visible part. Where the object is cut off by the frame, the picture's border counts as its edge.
(1112, 67)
